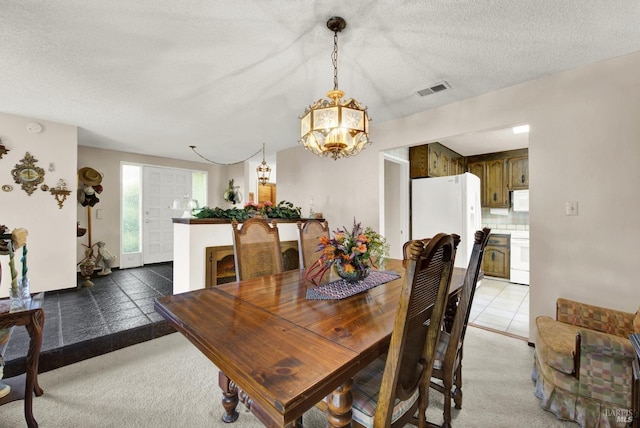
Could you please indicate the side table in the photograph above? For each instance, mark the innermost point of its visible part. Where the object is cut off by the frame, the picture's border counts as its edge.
(635, 400)
(33, 319)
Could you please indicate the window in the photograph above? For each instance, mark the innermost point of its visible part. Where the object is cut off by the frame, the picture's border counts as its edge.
(199, 187)
(131, 209)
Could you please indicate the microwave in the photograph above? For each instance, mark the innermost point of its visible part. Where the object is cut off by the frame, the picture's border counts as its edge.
(520, 200)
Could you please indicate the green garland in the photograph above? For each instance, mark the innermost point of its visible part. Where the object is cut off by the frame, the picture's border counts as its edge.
(230, 214)
(284, 209)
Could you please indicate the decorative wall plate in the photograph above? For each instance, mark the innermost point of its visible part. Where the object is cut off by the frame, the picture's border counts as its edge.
(7, 188)
(27, 174)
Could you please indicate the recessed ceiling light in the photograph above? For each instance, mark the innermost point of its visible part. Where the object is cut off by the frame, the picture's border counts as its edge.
(523, 129)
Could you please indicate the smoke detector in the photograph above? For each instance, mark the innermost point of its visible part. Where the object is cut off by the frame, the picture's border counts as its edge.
(436, 87)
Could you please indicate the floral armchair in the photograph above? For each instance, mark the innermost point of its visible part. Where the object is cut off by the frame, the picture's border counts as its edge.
(582, 364)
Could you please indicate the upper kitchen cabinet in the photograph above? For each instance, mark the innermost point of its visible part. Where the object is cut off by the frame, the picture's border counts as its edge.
(478, 169)
(518, 173)
(493, 183)
(434, 160)
(496, 193)
(500, 173)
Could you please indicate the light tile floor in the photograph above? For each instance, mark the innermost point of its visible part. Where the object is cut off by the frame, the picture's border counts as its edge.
(501, 306)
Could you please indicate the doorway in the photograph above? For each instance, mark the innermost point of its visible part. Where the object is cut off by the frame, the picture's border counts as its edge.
(396, 203)
(147, 199)
(160, 187)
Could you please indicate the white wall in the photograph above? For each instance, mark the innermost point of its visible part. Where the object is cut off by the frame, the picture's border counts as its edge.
(52, 238)
(108, 162)
(583, 147)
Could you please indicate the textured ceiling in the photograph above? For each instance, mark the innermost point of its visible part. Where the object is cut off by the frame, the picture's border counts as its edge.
(154, 77)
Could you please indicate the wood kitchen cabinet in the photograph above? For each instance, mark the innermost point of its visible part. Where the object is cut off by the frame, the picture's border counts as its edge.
(419, 161)
(518, 176)
(496, 192)
(497, 258)
(456, 166)
(478, 169)
(499, 173)
(434, 160)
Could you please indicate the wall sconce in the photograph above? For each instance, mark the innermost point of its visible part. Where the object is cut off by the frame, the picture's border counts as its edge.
(60, 192)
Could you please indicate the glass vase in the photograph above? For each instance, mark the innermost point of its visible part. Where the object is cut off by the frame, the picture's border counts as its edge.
(24, 285)
(350, 272)
(20, 296)
(17, 302)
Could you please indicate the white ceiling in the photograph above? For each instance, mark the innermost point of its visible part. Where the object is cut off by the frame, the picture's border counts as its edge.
(155, 76)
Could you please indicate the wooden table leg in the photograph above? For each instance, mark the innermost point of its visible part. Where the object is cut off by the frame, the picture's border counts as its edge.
(229, 398)
(34, 328)
(339, 404)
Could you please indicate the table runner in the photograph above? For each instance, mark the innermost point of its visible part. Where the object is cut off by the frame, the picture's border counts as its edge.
(341, 289)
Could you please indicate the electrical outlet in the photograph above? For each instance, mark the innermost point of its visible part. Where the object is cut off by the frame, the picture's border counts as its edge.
(571, 208)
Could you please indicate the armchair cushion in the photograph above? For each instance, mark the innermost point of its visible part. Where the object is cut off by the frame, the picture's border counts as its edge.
(595, 317)
(606, 344)
(441, 350)
(605, 367)
(556, 343)
(601, 387)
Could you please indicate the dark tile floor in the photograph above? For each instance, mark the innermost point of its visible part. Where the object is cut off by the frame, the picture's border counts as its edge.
(85, 322)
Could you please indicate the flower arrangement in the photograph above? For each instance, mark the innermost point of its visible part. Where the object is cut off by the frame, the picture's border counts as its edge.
(262, 209)
(353, 253)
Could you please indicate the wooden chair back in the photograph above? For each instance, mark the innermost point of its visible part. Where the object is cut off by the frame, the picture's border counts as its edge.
(469, 287)
(417, 326)
(256, 249)
(449, 368)
(308, 234)
(406, 250)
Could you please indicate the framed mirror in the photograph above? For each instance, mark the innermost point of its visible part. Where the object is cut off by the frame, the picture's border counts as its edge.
(27, 174)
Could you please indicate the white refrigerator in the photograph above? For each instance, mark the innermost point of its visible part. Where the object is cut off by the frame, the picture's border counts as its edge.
(449, 205)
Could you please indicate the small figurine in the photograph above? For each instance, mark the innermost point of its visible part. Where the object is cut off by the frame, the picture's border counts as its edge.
(104, 259)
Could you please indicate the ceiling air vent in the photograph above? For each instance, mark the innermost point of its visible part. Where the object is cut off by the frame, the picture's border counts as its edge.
(437, 87)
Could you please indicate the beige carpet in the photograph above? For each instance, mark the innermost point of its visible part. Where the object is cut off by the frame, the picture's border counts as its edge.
(168, 383)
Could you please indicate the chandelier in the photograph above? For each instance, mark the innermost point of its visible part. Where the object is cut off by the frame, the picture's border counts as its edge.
(263, 170)
(334, 127)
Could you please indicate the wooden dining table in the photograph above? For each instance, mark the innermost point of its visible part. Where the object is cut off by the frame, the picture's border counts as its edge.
(281, 353)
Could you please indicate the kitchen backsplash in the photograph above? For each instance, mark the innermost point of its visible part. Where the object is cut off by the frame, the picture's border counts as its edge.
(511, 221)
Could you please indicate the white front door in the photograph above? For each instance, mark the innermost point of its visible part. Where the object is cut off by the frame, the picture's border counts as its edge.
(160, 187)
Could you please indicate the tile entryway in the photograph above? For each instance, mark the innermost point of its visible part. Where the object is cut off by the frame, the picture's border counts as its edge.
(501, 306)
(86, 322)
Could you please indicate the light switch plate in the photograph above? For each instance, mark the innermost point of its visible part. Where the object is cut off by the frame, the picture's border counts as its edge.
(571, 208)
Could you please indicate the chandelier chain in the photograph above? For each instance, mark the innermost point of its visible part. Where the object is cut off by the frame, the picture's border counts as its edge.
(228, 164)
(334, 60)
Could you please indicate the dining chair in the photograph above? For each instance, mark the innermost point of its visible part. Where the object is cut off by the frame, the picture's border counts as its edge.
(406, 250)
(390, 391)
(308, 233)
(447, 370)
(256, 249)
